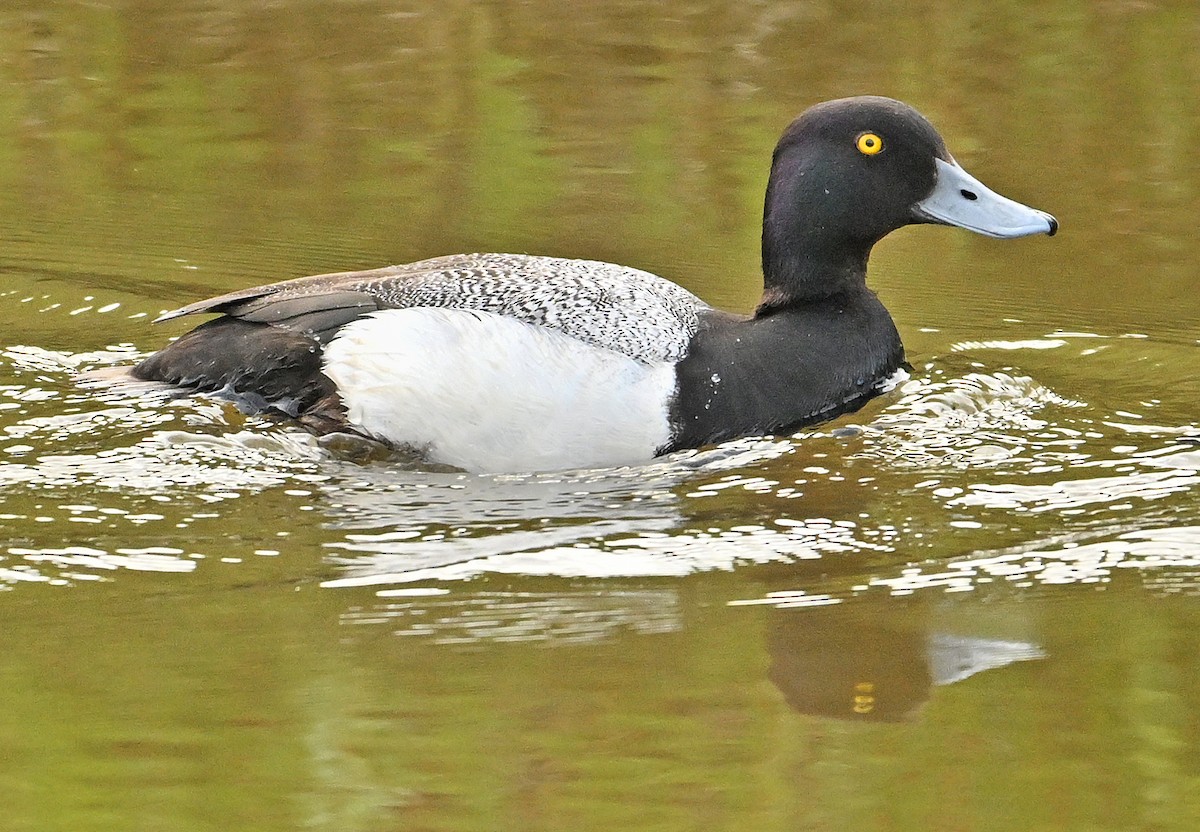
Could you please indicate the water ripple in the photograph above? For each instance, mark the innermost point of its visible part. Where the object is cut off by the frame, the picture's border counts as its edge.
(934, 469)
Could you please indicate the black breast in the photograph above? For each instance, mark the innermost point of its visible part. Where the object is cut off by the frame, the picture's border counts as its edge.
(778, 372)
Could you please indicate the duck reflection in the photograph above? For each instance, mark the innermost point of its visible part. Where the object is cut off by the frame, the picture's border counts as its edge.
(850, 662)
(866, 659)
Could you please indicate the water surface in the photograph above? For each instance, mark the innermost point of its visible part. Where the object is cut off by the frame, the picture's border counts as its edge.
(972, 605)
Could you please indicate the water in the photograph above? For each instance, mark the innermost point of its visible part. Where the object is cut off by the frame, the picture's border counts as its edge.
(972, 605)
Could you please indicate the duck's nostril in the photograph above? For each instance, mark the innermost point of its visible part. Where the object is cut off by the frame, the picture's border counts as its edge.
(971, 195)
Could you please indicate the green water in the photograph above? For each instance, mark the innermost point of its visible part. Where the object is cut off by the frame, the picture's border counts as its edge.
(975, 610)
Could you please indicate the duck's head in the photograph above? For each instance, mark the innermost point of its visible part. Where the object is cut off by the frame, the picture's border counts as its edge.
(847, 172)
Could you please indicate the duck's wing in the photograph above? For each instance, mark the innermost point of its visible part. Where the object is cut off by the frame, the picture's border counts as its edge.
(615, 307)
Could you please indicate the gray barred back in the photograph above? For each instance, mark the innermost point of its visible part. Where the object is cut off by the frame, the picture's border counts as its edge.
(627, 310)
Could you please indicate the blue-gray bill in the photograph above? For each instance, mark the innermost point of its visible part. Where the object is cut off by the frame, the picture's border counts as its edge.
(960, 199)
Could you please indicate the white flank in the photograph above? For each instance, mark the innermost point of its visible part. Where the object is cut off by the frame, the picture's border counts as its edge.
(486, 392)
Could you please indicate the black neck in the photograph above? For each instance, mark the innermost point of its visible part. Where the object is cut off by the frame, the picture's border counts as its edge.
(794, 275)
(804, 261)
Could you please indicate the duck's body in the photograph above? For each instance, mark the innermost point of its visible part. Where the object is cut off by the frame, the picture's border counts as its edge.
(510, 362)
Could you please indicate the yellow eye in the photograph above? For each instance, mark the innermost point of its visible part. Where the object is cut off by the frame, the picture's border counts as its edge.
(868, 144)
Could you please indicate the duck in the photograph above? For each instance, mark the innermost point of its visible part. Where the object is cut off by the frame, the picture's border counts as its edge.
(522, 363)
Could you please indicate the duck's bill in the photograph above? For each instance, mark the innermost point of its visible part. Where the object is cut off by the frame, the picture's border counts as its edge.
(960, 199)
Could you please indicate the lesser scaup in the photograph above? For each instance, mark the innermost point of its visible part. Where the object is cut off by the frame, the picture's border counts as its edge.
(505, 362)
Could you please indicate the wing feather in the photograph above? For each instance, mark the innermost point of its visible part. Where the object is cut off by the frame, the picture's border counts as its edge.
(627, 310)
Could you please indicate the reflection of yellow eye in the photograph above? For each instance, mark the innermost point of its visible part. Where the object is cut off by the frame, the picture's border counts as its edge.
(868, 144)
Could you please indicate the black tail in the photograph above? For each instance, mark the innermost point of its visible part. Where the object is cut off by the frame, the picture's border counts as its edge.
(266, 367)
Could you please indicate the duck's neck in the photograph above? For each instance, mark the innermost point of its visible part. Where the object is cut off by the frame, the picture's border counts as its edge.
(797, 276)
(804, 261)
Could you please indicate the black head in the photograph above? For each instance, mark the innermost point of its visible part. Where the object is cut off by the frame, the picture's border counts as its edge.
(848, 172)
(855, 166)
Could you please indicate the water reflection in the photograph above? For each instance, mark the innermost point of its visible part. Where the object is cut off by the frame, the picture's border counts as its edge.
(870, 662)
(549, 618)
